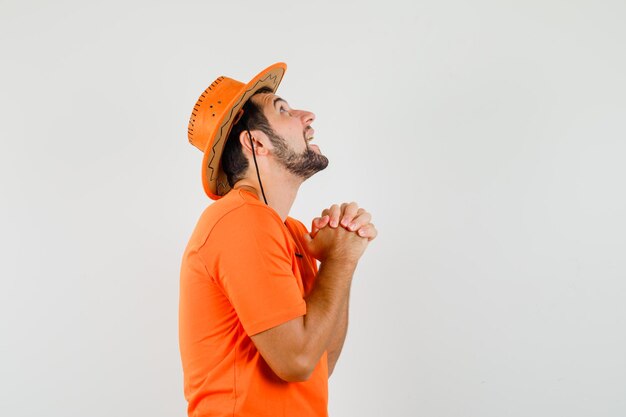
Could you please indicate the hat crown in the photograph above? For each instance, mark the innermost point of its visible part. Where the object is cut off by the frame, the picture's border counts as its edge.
(209, 108)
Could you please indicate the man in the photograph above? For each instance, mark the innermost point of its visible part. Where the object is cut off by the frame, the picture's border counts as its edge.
(261, 327)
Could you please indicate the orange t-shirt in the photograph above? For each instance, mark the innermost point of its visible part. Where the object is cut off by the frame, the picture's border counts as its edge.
(244, 271)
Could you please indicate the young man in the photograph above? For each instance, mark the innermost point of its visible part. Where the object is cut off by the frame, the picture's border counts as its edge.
(261, 327)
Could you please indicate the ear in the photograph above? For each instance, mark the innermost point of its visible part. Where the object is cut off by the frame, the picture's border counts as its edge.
(259, 140)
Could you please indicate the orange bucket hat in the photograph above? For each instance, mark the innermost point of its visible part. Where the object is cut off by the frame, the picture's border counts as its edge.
(213, 116)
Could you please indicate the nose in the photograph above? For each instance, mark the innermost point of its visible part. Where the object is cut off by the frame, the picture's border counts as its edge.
(307, 117)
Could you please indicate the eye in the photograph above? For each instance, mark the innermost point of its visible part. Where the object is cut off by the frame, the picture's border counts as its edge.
(283, 109)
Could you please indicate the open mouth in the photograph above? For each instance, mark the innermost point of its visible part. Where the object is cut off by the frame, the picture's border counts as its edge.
(309, 131)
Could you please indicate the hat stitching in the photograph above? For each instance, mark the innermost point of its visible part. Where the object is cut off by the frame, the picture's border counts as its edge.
(196, 107)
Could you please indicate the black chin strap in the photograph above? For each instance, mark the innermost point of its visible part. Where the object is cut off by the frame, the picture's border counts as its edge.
(256, 166)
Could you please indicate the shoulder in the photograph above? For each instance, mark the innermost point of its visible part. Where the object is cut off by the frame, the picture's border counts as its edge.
(247, 228)
(240, 215)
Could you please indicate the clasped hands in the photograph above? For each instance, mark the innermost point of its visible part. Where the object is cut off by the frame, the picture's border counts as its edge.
(349, 216)
(356, 221)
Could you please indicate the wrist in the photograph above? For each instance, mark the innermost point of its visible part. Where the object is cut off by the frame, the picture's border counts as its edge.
(340, 262)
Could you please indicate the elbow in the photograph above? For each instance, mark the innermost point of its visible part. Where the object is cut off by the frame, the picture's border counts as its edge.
(299, 369)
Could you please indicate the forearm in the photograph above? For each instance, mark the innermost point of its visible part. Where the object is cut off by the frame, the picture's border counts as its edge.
(327, 306)
(339, 336)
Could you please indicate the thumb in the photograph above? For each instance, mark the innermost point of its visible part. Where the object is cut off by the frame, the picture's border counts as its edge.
(311, 246)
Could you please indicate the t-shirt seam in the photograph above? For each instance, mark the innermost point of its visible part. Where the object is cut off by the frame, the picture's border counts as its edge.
(235, 376)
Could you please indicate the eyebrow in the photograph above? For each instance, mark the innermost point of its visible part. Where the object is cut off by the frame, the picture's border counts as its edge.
(277, 99)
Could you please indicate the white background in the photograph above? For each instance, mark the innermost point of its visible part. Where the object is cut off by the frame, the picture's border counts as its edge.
(487, 138)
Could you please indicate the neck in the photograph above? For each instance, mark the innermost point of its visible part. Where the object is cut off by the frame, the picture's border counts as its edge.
(280, 191)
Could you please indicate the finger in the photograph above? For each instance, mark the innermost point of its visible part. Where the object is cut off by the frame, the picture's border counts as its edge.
(342, 209)
(334, 214)
(318, 223)
(315, 226)
(358, 213)
(349, 212)
(360, 221)
(368, 231)
(315, 223)
(324, 221)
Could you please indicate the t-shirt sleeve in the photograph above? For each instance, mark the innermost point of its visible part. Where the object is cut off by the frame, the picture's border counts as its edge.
(250, 259)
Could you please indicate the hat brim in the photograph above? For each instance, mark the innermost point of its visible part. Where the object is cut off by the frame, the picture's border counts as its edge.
(214, 179)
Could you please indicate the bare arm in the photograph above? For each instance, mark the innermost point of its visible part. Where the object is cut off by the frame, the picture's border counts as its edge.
(339, 336)
(353, 218)
(294, 348)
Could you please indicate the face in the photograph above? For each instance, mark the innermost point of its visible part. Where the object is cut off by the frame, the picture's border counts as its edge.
(291, 137)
